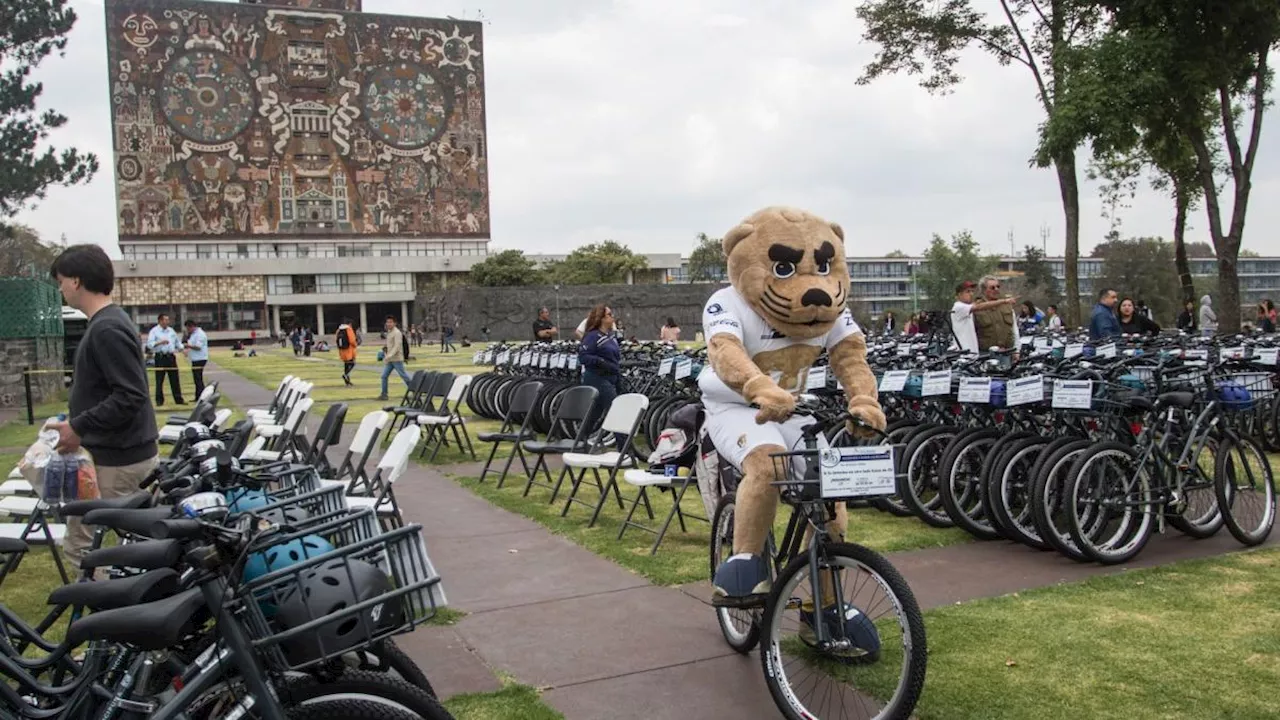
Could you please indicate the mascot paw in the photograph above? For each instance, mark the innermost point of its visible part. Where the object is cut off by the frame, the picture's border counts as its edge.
(868, 411)
(775, 403)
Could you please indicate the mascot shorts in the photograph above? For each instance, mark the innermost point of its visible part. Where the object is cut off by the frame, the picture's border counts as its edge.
(734, 431)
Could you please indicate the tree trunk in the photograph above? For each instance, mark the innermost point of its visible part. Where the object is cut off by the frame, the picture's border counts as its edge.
(1227, 304)
(1069, 186)
(1182, 201)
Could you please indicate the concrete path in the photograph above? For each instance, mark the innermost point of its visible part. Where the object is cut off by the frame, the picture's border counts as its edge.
(602, 641)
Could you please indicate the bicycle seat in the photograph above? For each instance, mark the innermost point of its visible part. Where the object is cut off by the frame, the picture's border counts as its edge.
(134, 522)
(151, 626)
(133, 501)
(1181, 400)
(146, 555)
(1137, 402)
(119, 593)
(12, 545)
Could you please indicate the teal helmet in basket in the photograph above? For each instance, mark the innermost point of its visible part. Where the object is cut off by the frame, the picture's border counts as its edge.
(243, 500)
(279, 557)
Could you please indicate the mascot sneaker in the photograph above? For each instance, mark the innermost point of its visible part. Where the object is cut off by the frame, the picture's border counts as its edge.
(857, 629)
(742, 579)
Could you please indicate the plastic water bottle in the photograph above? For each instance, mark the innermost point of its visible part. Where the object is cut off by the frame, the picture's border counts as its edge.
(48, 434)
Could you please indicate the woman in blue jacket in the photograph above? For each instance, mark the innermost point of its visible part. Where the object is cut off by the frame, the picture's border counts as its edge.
(600, 357)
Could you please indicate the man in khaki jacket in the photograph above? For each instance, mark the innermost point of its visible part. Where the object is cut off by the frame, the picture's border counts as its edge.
(997, 322)
(392, 355)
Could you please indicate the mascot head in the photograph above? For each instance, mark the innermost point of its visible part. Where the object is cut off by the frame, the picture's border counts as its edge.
(789, 265)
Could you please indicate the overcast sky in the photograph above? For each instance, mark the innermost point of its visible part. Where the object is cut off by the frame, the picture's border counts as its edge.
(648, 121)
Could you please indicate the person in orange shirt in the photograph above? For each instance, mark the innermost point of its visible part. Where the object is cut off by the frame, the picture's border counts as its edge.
(345, 341)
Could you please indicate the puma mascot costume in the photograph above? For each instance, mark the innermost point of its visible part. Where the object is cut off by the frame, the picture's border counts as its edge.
(785, 306)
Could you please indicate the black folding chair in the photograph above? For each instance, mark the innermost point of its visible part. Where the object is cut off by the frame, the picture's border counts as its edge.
(519, 411)
(419, 383)
(328, 434)
(569, 433)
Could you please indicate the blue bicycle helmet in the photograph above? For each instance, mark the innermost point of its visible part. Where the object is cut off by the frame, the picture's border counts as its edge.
(1234, 395)
(331, 588)
(243, 500)
(283, 555)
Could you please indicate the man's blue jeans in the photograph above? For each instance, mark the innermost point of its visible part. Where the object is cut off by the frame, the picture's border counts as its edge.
(386, 373)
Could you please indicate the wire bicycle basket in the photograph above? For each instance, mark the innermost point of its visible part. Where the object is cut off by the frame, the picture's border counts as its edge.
(365, 590)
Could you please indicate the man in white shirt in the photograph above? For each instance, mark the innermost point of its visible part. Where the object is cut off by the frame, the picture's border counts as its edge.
(198, 353)
(164, 345)
(964, 332)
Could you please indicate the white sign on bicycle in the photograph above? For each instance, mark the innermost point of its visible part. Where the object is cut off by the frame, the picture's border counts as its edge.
(846, 472)
(664, 367)
(894, 380)
(1072, 394)
(817, 379)
(684, 368)
(1025, 390)
(975, 390)
(1266, 356)
(1107, 351)
(936, 383)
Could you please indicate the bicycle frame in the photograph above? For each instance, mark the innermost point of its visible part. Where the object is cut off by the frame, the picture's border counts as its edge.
(1171, 472)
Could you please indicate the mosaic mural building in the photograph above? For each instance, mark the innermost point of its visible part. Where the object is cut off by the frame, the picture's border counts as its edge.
(314, 153)
(282, 121)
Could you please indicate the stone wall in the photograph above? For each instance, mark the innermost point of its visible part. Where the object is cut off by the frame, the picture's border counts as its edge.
(37, 353)
(193, 290)
(509, 312)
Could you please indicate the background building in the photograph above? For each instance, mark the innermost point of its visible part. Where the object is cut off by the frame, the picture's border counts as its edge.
(276, 159)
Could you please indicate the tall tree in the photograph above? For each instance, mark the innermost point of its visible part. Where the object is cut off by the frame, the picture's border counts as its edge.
(1203, 66)
(506, 268)
(947, 264)
(1142, 269)
(926, 37)
(30, 30)
(707, 262)
(598, 263)
(22, 252)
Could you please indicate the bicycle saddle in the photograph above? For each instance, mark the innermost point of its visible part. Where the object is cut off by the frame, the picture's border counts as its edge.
(134, 522)
(146, 555)
(151, 626)
(118, 593)
(1182, 400)
(12, 545)
(133, 501)
(1139, 403)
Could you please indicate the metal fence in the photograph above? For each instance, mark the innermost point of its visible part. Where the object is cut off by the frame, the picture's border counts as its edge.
(29, 308)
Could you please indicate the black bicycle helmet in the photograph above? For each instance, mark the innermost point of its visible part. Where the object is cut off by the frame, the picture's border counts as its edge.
(326, 590)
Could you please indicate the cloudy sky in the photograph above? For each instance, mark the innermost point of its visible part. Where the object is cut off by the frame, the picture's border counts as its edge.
(648, 121)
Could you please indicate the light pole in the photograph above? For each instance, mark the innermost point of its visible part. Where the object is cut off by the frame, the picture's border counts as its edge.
(557, 287)
(915, 294)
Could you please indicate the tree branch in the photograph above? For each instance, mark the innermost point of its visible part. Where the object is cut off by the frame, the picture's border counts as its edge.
(1004, 52)
(1030, 57)
(1259, 104)
(1229, 131)
(1036, 6)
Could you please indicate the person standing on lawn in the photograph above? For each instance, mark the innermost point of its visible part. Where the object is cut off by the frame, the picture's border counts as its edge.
(392, 355)
(164, 344)
(108, 413)
(345, 341)
(197, 350)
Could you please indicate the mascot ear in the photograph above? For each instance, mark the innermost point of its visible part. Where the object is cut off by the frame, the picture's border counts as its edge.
(839, 231)
(735, 236)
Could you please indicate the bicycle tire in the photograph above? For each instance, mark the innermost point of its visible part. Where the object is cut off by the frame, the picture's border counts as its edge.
(367, 686)
(741, 641)
(1013, 493)
(1108, 553)
(989, 464)
(929, 511)
(354, 710)
(1200, 528)
(968, 449)
(389, 657)
(1047, 495)
(893, 504)
(1228, 494)
(915, 645)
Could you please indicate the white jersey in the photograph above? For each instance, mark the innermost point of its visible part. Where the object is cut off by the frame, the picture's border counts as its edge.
(962, 325)
(727, 312)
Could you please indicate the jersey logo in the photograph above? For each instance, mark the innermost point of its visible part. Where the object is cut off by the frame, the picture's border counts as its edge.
(714, 309)
(773, 335)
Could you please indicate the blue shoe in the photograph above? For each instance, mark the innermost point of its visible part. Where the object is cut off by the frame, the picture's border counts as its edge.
(743, 578)
(858, 630)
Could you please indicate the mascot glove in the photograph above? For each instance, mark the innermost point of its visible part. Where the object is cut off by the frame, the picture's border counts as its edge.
(868, 410)
(775, 403)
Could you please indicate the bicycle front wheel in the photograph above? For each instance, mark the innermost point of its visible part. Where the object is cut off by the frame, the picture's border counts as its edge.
(873, 663)
(1246, 490)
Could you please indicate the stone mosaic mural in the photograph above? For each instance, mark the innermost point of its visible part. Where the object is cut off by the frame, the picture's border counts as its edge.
(238, 120)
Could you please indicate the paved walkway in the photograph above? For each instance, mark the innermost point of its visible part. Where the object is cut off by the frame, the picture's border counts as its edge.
(602, 641)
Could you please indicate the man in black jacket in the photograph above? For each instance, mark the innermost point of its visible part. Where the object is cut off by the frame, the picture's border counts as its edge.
(109, 414)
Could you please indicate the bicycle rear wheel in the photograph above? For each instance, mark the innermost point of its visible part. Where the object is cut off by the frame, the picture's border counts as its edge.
(808, 682)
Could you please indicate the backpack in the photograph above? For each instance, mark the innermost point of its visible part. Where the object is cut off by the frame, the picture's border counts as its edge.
(404, 344)
(344, 339)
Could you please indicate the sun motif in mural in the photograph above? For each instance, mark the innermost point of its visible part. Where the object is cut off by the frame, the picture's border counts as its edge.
(207, 97)
(457, 49)
(405, 105)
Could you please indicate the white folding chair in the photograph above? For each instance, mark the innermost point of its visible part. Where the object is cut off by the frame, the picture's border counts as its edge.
(447, 417)
(38, 528)
(171, 434)
(677, 484)
(270, 410)
(274, 443)
(16, 484)
(623, 418)
(390, 467)
(351, 472)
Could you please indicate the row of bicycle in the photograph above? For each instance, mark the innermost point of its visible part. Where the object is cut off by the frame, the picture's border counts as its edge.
(252, 578)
